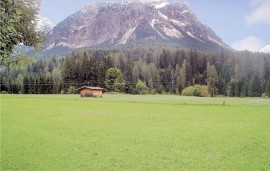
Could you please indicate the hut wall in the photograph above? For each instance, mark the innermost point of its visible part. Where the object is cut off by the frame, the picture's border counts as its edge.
(91, 93)
(97, 93)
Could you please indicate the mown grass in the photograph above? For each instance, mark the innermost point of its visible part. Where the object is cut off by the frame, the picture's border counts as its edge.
(127, 132)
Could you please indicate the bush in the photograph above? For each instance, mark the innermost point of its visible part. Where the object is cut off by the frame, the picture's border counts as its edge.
(62, 92)
(71, 90)
(265, 96)
(159, 89)
(4, 92)
(196, 90)
(141, 87)
(177, 92)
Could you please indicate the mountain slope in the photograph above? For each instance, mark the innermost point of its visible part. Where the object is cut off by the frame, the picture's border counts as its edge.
(44, 23)
(266, 49)
(153, 21)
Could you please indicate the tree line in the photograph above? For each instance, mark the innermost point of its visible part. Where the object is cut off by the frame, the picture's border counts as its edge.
(143, 70)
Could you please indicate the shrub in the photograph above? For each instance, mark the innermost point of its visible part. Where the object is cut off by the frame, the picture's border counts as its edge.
(177, 92)
(4, 92)
(159, 89)
(141, 87)
(62, 92)
(196, 90)
(71, 90)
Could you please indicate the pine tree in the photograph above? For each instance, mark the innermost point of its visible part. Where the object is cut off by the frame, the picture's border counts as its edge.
(257, 86)
(91, 75)
(150, 85)
(189, 75)
(177, 92)
(212, 79)
(164, 59)
(267, 89)
(245, 89)
(222, 56)
(25, 85)
(183, 76)
(232, 88)
(237, 72)
(66, 70)
(19, 82)
(114, 80)
(220, 83)
(37, 85)
(250, 89)
(42, 82)
(236, 90)
(31, 85)
(177, 77)
(83, 70)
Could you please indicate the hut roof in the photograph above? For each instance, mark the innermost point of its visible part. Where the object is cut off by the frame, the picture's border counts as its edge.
(92, 88)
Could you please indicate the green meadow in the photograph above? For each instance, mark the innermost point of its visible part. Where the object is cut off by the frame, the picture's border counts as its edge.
(134, 132)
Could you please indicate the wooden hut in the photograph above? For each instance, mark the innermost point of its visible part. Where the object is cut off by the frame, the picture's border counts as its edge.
(86, 91)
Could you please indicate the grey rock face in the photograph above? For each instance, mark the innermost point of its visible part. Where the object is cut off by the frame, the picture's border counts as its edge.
(113, 24)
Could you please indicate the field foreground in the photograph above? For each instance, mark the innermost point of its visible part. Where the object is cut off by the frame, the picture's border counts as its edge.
(120, 132)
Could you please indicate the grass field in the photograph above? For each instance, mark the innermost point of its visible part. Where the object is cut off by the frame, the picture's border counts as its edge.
(127, 132)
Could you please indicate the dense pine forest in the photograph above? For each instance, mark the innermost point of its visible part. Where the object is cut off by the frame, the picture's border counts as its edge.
(141, 71)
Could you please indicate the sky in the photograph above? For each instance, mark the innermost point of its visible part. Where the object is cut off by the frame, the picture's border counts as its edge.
(242, 24)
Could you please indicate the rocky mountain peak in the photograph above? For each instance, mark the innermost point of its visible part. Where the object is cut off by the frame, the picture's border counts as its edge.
(118, 23)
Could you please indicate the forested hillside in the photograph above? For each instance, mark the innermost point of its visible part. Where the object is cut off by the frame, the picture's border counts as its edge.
(168, 70)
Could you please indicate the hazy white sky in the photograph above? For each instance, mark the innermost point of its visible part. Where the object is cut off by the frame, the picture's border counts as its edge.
(242, 24)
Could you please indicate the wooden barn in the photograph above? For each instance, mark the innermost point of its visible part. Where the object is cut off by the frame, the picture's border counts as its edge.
(87, 91)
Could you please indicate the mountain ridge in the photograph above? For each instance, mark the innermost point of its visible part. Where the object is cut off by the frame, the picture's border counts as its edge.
(266, 49)
(115, 24)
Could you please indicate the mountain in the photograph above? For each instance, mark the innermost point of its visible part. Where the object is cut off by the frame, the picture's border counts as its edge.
(266, 49)
(44, 23)
(122, 23)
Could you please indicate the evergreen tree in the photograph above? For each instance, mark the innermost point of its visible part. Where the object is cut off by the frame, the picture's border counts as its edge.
(25, 85)
(189, 75)
(101, 73)
(183, 76)
(250, 89)
(31, 85)
(257, 86)
(220, 82)
(37, 85)
(245, 89)
(150, 85)
(164, 59)
(67, 70)
(232, 88)
(84, 69)
(19, 83)
(49, 84)
(42, 82)
(237, 72)
(236, 90)
(222, 56)
(177, 77)
(56, 77)
(212, 79)
(177, 92)
(114, 80)
(267, 89)
(91, 75)
(180, 68)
